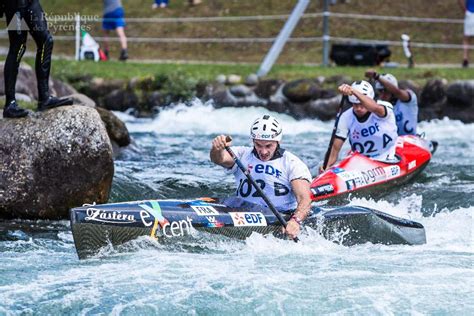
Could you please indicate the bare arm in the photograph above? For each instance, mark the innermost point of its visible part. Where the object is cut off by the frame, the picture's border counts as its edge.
(400, 94)
(219, 154)
(335, 150)
(365, 101)
(301, 189)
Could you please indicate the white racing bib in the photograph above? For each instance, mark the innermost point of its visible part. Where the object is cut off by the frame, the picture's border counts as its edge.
(406, 115)
(375, 138)
(274, 177)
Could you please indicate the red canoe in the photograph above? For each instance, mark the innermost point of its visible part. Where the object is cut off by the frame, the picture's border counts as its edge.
(359, 175)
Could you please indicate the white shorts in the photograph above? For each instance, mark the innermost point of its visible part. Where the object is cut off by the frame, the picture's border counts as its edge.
(469, 24)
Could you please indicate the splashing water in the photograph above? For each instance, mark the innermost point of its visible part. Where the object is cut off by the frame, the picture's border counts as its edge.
(41, 274)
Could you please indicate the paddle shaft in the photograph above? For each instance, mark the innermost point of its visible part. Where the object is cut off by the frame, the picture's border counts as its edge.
(257, 187)
(331, 141)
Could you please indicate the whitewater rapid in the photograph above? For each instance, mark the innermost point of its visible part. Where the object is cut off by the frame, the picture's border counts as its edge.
(169, 158)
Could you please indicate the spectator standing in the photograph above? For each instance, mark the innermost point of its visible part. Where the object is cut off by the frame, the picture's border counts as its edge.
(467, 7)
(160, 4)
(33, 15)
(114, 19)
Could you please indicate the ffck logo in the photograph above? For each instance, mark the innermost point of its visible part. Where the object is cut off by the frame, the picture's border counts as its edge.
(17, 24)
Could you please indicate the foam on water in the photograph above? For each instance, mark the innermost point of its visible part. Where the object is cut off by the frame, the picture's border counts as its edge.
(259, 275)
(41, 274)
(205, 119)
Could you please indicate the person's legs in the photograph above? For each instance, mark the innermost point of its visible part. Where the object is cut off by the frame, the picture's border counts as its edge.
(106, 42)
(468, 33)
(123, 43)
(465, 43)
(122, 36)
(35, 19)
(16, 51)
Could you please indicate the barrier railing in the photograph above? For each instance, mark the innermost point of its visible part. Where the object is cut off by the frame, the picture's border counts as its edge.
(139, 39)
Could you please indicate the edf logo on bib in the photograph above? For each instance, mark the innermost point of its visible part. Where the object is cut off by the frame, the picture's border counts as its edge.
(371, 130)
(267, 169)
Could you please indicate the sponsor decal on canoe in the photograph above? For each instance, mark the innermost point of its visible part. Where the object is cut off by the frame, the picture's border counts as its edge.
(213, 222)
(357, 179)
(392, 171)
(411, 164)
(178, 228)
(323, 189)
(105, 216)
(204, 210)
(152, 215)
(248, 219)
(337, 170)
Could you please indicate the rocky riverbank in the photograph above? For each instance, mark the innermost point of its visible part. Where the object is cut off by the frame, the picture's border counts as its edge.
(61, 158)
(304, 98)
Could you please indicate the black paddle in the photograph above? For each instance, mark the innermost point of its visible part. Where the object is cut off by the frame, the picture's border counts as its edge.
(339, 112)
(255, 185)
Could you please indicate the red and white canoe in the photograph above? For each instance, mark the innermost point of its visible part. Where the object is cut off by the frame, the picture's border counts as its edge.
(359, 175)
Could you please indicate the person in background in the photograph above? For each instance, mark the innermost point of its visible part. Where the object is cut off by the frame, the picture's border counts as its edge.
(194, 2)
(467, 7)
(282, 176)
(160, 4)
(31, 13)
(114, 19)
(369, 125)
(404, 101)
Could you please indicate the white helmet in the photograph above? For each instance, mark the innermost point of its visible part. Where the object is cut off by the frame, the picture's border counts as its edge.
(390, 78)
(266, 128)
(363, 87)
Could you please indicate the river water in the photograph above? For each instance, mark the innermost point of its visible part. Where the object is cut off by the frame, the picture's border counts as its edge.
(41, 274)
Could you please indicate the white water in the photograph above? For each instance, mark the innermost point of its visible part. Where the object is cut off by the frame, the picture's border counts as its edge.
(42, 275)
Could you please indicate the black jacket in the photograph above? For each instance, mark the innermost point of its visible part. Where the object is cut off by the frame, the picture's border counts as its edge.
(2, 8)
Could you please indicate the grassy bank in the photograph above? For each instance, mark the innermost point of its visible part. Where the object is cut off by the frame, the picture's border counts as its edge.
(294, 53)
(64, 69)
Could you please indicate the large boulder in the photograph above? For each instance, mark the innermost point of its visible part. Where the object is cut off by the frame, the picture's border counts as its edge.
(433, 92)
(116, 129)
(460, 103)
(52, 161)
(61, 89)
(460, 94)
(266, 88)
(432, 99)
(301, 90)
(324, 109)
(120, 100)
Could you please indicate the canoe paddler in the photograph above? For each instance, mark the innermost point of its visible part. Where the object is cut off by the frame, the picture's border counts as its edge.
(369, 125)
(282, 176)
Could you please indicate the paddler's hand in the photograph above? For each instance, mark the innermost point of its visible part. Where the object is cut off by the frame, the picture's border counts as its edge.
(321, 169)
(345, 89)
(292, 228)
(220, 142)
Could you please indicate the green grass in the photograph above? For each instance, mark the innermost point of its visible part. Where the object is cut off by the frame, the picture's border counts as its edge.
(64, 69)
(294, 53)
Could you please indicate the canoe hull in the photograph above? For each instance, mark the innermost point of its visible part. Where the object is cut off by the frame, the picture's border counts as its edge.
(168, 221)
(357, 175)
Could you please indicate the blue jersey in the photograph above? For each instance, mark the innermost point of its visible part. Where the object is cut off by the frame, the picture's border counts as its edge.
(406, 115)
(470, 5)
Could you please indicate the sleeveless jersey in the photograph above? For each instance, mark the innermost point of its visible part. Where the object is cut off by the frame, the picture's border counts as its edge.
(406, 115)
(274, 177)
(375, 137)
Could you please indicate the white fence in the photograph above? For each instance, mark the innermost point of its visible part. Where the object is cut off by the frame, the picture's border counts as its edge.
(334, 39)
